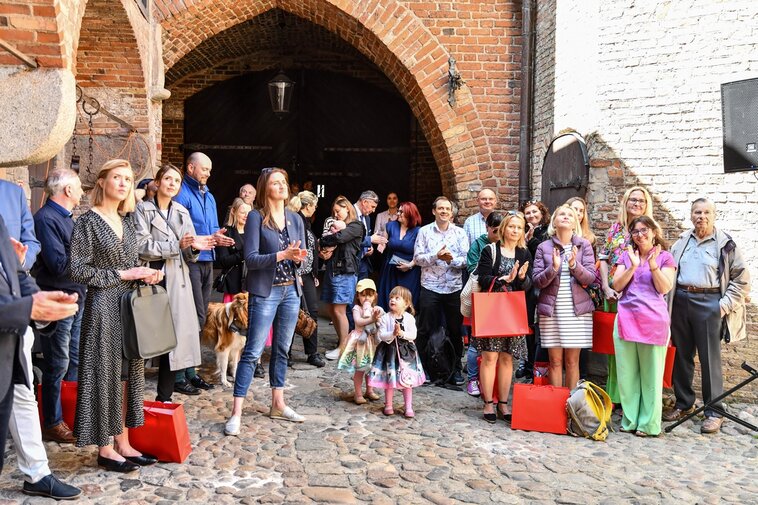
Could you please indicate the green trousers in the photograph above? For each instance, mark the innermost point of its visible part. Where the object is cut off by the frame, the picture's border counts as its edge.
(611, 384)
(639, 371)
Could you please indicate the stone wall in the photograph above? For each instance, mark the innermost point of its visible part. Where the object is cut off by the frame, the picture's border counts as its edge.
(653, 116)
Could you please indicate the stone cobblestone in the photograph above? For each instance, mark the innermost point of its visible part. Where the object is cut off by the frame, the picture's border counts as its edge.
(346, 453)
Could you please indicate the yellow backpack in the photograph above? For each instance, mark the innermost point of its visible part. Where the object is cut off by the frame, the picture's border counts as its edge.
(589, 411)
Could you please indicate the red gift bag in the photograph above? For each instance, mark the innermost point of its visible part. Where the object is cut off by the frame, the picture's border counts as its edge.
(539, 375)
(165, 434)
(540, 408)
(499, 315)
(669, 368)
(602, 332)
(68, 402)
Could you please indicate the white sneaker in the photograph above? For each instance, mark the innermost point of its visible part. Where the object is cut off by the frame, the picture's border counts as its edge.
(333, 354)
(232, 427)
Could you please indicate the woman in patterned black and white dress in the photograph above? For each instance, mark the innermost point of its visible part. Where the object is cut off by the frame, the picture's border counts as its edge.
(562, 265)
(104, 256)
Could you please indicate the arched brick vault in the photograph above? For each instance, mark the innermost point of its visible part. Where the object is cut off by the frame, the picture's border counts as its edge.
(391, 36)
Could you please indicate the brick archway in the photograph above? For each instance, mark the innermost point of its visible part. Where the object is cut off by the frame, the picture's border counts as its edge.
(391, 36)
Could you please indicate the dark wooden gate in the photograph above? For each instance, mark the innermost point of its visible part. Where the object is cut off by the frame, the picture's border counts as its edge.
(343, 135)
(565, 170)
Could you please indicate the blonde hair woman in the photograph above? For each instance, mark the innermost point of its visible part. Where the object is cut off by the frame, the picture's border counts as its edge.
(104, 256)
(562, 265)
(509, 270)
(580, 207)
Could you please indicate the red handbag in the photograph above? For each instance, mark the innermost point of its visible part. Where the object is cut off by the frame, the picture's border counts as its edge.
(499, 315)
(669, 368)
(165, 434)
(602, 332)
(540, 408)
(68, 402)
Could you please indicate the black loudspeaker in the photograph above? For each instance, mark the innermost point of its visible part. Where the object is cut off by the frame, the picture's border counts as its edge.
(739, 108)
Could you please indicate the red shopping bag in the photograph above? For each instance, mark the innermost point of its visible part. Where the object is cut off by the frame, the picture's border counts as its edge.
(165, 434)
(540, 408)
(539, 375)
(68, 402)
(669, 368)
(499, 315)
(602, 332)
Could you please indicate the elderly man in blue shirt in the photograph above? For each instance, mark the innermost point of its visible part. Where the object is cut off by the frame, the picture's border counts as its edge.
(198, 200)
(53, 226)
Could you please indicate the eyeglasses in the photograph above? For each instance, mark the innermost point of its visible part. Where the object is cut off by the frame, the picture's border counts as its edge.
(515, 213)
(640, 231)
(635, 201)
(267, 170)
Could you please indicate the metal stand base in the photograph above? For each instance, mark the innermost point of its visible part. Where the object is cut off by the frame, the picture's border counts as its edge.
(753, 376)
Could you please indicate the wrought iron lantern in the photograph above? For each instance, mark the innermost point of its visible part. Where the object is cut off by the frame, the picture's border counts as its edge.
(280, 90)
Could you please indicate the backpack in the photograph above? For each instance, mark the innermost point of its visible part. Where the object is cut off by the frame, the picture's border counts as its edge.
(589, 411)
(440, 356)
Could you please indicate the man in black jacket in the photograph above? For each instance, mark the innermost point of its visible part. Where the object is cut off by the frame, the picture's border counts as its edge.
(20, 302)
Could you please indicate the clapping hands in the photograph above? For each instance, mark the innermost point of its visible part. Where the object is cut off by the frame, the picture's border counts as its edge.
(521, 272)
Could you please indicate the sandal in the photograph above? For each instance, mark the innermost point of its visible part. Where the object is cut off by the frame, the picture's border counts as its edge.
(506, 417)
(489, 417)
(370, 395)
(359, 400)
(388, 410)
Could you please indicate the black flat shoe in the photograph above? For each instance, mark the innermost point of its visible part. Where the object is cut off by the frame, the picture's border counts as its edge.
(144, 460)
(116, 466)
(185, 388)
(200, 383)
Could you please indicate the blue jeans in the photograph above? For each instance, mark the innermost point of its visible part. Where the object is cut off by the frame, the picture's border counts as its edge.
(471, 365)
(280, 308)
(61, 350)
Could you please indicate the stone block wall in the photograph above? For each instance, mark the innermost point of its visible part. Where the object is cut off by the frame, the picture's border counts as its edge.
(653, 117)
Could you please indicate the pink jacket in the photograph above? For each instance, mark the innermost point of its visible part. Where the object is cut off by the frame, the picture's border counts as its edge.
(547, 280)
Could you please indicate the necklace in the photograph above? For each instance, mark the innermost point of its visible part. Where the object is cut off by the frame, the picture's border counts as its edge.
(114, 223)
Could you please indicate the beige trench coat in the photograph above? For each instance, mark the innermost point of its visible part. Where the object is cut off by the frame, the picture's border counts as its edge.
(158, 241)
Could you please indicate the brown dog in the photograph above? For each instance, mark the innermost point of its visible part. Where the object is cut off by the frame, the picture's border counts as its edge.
(226, 331)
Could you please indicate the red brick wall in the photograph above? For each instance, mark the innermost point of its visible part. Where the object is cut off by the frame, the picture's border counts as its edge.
(32, 28)
(409, 41)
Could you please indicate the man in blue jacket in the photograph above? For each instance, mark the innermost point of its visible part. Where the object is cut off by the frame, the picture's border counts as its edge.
(53, 226)
(199, 201)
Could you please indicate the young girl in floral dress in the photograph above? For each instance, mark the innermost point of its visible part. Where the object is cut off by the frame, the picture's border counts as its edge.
(361, 343)
(396, 363)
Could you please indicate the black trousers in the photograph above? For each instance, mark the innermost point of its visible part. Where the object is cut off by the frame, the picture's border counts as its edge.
(310, 345)
(166, 379)
(201, 277)
(696, 327)
(433, 308)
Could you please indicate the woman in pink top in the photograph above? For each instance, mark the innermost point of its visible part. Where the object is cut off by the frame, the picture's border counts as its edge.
(644, 273)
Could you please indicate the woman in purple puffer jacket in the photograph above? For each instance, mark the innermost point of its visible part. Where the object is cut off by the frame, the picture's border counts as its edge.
(562, 265)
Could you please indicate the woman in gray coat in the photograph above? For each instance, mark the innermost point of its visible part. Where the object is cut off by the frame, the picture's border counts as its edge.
(167, 240)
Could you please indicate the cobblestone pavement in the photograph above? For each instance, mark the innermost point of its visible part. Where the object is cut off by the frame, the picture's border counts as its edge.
(346, 453)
